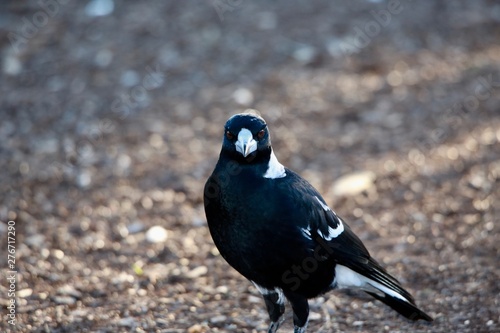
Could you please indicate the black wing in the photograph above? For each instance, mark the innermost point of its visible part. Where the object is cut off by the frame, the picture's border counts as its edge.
(326, 228)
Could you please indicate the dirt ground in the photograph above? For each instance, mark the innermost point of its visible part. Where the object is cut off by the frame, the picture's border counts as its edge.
(111, 117)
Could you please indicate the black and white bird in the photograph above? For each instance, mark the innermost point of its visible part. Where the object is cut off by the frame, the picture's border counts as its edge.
(275, 229)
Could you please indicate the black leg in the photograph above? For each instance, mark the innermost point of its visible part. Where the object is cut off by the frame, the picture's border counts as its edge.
(275, 304)
(300, 308)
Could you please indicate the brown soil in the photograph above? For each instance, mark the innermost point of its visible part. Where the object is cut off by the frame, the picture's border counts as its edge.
(110, 125)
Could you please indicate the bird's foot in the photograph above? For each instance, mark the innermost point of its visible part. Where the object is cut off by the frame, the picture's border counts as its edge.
(299, 329)
(275, 325)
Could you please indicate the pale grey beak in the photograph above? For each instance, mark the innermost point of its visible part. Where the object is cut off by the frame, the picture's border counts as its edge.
(246, 143)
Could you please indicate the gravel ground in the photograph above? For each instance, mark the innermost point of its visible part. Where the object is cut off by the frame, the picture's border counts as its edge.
(111, 116)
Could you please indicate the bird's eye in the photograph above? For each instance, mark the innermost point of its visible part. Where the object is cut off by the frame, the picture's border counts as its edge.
(261, 134)
(229, 135)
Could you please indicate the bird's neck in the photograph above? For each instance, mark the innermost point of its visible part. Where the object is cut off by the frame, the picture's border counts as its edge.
(255, 163)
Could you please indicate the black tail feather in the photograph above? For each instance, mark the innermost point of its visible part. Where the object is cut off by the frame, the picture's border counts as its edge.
(406, 309)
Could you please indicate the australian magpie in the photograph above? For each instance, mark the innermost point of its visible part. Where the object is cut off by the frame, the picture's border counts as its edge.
(275, 229)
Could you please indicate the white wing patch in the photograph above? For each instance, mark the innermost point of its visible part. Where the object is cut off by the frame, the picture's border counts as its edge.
(325, 207)
(275, 169)
(332, 232)
(306, 232)
(347, 278)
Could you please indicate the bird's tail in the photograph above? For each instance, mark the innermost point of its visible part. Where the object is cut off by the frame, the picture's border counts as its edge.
(375, 281)
(403, 307)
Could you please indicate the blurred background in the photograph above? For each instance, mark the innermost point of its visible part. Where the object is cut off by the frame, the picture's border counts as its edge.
(111, 116)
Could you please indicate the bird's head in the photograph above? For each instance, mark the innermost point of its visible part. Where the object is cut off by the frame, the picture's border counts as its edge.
(245, 135)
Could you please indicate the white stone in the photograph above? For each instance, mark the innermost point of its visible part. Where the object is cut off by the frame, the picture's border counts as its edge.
(23, 293)
(127, 322)
(99, 7)
(130, 78)
(156, 234)
(243, 96)
(84, 179)
(218, 319)
(305, 54)
(197, 272)
(12, 65)
(314, 316)
(353, 183)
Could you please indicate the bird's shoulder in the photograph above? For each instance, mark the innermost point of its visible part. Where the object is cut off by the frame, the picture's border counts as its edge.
(321, 224)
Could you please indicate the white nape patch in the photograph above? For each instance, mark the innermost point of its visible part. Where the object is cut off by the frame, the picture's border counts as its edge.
(332, 232)
(347, 278)
(275, 168)
(265, 291)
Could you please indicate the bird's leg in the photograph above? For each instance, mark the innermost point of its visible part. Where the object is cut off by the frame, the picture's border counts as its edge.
(275, 304)
(300, 308)
(274, 326)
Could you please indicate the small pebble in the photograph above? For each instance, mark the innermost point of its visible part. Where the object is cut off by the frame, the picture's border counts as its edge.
(314, 316)
(198, 221)
(35, 241)
(103, 58)
(243, 96)
(129, 78)
(47, 146)
(135, 227)
(64, 300)
(254, 299)
(58, 254)
(12, 65)
(305, 54)
(156, 234)
(69, 290)
(99, 7)
(222, 289)
(84, 179)
(267, 21)
(197, 272)
(197, 328)
(23, 293)
(127, 322)
(353, 183)
(218, 319)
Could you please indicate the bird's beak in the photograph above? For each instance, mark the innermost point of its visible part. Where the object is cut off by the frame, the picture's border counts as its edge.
(246, 143)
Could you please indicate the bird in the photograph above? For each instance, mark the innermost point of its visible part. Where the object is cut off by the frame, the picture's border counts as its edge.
(276, 230)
